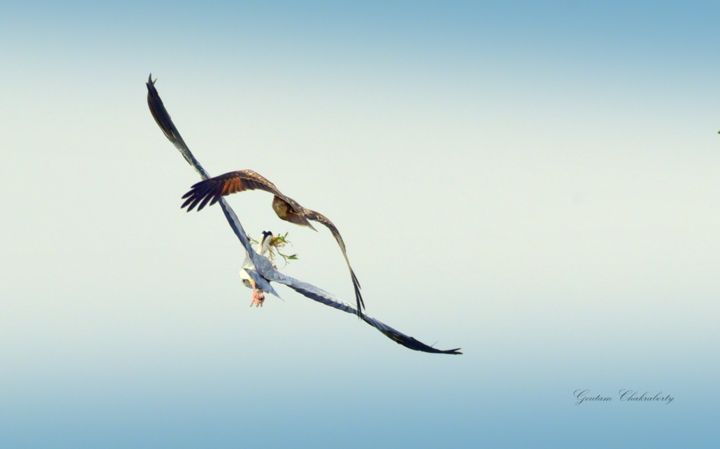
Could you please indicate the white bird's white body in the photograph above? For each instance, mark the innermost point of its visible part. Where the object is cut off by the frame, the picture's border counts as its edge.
(263, 248)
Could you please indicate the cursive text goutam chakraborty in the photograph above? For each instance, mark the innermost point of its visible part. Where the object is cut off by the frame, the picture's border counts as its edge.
(586, 396)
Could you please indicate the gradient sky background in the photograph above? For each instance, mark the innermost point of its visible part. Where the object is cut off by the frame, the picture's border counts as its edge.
(534, 182)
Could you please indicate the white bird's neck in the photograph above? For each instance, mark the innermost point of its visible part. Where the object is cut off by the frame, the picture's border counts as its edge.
(265, 246)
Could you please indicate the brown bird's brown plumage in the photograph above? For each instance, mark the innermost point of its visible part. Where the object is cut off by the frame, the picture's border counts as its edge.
(209, 191)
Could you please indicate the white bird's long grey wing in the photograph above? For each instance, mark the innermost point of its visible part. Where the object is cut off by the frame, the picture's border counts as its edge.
(320, 295)
(162, 118)
(265, 271)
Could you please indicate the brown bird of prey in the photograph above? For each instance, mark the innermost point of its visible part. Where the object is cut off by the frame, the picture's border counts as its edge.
(212, 189)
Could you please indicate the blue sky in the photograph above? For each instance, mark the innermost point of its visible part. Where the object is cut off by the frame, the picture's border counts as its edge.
(534, 182)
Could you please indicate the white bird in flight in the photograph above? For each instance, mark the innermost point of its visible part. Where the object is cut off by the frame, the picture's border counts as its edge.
(262, 272)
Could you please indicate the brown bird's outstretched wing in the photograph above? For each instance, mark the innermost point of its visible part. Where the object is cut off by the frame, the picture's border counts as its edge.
(210, 190)
(322, 219)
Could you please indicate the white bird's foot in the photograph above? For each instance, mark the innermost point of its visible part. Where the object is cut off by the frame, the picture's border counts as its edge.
(258, 298)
